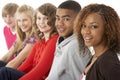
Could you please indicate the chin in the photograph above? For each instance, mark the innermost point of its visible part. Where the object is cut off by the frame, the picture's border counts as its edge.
(61, 35)
(88, 45)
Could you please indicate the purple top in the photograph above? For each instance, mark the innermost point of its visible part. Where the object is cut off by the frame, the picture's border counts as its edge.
(30, 40)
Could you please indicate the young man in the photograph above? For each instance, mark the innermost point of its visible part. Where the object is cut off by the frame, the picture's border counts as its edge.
(68, 63)
(8, 15)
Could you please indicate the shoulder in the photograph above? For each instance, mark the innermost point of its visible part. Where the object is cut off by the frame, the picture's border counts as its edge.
(53, 39)
(54, 36)
(108, 57)
(109, 65)
(31, 39)
(108, 61)
(73, 45)
(6, 29)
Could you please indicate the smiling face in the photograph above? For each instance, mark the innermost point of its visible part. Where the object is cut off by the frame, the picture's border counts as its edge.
(24, 22)
(64, 22)
(92, 30)
(41, 22)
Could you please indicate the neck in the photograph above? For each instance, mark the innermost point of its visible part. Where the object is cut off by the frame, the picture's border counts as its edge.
(47, 36)
(100, 50)
(12, 29)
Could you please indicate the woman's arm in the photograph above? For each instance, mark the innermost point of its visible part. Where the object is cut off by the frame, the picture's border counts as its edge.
(17, 61)
(27, 46)
(8, 55)
(27, 65)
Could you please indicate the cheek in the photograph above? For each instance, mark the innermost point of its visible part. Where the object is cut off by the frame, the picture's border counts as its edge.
(37, 21)
(5, 20)
(13, 20)
(98, 37)
(82, 32)
(55, 24)
(30, 25)
(18, 23)
(49, 28)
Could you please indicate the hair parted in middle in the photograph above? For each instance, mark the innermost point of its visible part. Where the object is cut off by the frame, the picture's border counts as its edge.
(30, 12)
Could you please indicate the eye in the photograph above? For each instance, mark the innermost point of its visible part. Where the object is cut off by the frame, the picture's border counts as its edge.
(83, 26)
(25, 19)
(46, 18)
(38, 18)
(18, 20)
(94, 26)
(12, 16)
(66, 19)
(57, 19)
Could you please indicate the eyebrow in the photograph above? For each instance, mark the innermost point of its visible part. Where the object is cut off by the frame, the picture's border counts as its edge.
(64, 16)
(93, 23)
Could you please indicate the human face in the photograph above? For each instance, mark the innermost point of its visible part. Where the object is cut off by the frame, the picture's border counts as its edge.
(9, 20)
(24, 22)
(93, 30)
(41, 22)
(64, 22)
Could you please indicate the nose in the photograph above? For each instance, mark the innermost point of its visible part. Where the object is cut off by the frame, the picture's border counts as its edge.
(59, 22)
(21, 22)
(87, 30)
(42, 21)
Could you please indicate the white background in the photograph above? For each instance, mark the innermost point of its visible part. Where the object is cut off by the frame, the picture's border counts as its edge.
(36, 3)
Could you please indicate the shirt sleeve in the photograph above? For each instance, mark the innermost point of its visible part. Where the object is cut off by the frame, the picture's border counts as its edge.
(45, 62)
(27, 64)
(31, 40)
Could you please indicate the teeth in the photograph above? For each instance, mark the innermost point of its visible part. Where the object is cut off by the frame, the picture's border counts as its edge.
(60, 29)
(87, 38)
(41, 26)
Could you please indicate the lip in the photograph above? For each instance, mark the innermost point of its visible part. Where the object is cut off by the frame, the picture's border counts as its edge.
(9, 23)
(61, 30)
(41, 26)
(87, 38)
(23, 27)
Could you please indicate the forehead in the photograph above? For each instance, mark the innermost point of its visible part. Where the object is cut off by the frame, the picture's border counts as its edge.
(65, 12)
(40, 14)
(22, 15)
(94, 17)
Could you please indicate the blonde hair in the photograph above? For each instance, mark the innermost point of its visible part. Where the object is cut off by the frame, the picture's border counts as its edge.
(21, 36)
(9, 9)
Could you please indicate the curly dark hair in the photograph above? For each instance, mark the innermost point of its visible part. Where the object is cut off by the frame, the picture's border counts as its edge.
(112, 25)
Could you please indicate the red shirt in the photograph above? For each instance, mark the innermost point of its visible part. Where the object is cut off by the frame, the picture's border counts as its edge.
(9, 37)
(38, 63)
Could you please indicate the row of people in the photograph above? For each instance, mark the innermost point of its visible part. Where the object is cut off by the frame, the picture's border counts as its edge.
(25, 37)
(65, 57)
